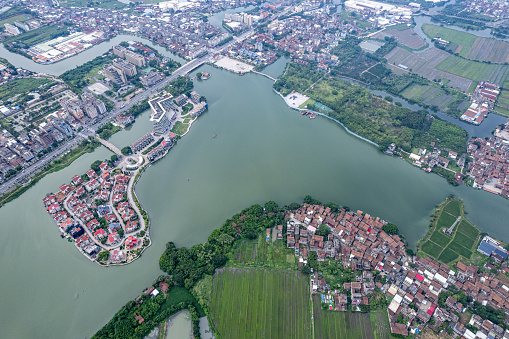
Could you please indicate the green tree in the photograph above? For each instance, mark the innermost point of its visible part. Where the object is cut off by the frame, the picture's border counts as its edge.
(323, 230)
(390, 228)
(126, 150)
(104, 255)
(271, 206)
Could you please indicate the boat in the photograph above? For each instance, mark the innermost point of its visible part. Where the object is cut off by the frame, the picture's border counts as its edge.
(214, 136)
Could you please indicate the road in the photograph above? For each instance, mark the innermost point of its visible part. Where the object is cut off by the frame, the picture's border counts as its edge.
(27, 173)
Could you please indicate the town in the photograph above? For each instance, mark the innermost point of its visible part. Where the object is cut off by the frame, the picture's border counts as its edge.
(98, 210)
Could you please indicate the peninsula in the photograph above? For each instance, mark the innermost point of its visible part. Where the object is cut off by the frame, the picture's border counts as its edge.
(315, 270)
(99, 210)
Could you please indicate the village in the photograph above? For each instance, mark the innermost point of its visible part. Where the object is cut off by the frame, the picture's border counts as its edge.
(418, 291)
(488, 169)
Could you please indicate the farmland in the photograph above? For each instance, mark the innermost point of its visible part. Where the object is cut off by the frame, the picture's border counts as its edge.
(447, 248)
(473, 70)
(19, 17)
(470, 46)
(424, 64)
(406, 37)
(38, 35)
(256, 303)
(259, 253)
(346, 325)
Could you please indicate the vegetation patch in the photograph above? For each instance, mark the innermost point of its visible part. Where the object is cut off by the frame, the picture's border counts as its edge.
(439, 238)
(448, 255)
(456, 247)
(468, 229)
(431, 248)
(445, 220)
(464, 240)
(260, 303)
(453, 208)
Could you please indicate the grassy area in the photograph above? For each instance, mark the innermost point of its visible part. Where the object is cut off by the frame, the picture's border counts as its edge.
(38, 35)
(346, 325)
(457, 37)
(260, 303)
(474, 70)
(21, 86)
(180, 128)
(309, 102)
(20, 17)
(461, 243)
(177, 295)
(259, 253)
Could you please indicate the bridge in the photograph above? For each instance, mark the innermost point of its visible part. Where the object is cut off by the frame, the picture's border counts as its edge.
(109, 145)
(265, 75)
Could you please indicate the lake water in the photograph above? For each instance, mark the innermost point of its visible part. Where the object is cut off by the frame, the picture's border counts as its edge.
(263, 151)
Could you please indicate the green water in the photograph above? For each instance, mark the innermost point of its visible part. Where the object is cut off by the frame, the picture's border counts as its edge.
(263, 151)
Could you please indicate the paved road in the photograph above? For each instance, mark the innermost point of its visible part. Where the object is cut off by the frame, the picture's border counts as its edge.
(24, 176)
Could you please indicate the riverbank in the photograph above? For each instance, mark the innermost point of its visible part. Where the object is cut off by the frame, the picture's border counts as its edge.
(55, 166)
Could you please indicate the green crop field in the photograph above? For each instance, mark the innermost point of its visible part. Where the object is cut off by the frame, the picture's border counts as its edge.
(21, 18)
(445, 220)
(259, 253)
(468, 229)
(473, 70)
(346, 325)
(439, 238)
(260, 303)
(464, 240)
(452, 35)
(38, 35)
(453, 208)
(448, 255)
(456, 247)
(431, 248)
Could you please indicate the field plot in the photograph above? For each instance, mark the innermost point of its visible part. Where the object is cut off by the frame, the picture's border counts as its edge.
(429, 95)
(470, 46)
(259, 253)
(20, 17)
(502, 105)
(346, 325)
(258, 303)
(424, 64)
(406, 37)
(453, 208)
(473, 70)
(462, 242)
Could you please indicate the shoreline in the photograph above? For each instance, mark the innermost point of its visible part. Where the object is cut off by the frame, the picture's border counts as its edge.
(328, 117)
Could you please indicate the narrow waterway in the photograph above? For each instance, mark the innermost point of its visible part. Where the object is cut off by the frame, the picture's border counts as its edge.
(216, 19)
(60, 67)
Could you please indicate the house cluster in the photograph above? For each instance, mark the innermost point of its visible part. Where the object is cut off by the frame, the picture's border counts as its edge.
(252, 52)
(414, 286)
(482, 102)
(495, 8)
(428, 160)
(489, 167)
(93, 210)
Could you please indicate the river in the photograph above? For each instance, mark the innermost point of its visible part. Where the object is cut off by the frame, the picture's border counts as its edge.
(263, 151)
(79, 59)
